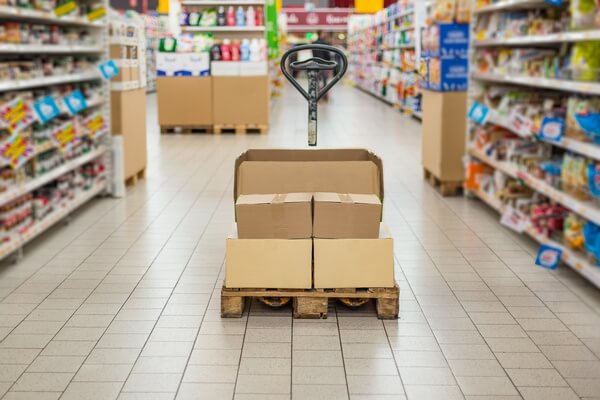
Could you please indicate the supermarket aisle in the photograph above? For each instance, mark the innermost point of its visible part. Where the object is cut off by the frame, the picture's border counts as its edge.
(124, 301)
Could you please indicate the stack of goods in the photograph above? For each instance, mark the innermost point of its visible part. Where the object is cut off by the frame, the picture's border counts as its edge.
(309, 220)
(38, 34)
(221, 17)
(128, 50)
(186, 55)
(46, 66)
(87, 11)
(156, 27)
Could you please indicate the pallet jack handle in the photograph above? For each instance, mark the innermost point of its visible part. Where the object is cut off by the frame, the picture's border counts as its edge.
(312, 66)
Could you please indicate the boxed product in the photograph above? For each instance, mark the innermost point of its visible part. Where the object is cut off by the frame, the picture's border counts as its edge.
(117, 52)
(124, 75)
(225, 68)
(170, 64)
(274, 216)
(184, 101)
(268, 263)
(242, 100)
(447, 75)
(339, 216)
(253, 68)
(446, 40)
(197, 64)
(354, 263)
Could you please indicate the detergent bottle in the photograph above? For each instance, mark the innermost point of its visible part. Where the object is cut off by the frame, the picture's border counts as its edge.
(245, 50)
(230, 17)
(221, 16)
(235, 51)
(240, 17)
(260, 17)
(254, 50)
(250, 16)
(215, 52)
(226, 50)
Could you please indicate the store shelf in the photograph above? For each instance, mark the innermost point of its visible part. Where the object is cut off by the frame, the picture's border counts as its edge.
(37, 228)
(563, 37)
(512, 5)
(124, 41)
(124, 86)
(574, 260)
(47, 49)
(592, 88)
(49, 80)
(223, 28)
(223, 2)
(400, 46)
(18, 190)
(16, 13)
(586, 209)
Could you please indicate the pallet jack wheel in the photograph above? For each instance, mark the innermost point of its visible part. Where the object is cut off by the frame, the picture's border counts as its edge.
(353, 303)
(275, 302)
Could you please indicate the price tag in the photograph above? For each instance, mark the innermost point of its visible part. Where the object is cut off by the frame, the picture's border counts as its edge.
(93, 125)
(548, 257)
(96, 14)
(514, 219)
(552, 129)
(479, 113)
(75, 102)
(65, 136)
(16, 151)
(65, 8)
(46, 109)
(519, 124)
(109, 69)
(16, 115)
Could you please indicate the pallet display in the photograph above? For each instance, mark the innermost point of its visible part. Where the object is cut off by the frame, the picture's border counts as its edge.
(533, 138)
(384, 53)
(54, 115)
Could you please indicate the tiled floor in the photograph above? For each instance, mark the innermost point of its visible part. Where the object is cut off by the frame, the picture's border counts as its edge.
(124, 301)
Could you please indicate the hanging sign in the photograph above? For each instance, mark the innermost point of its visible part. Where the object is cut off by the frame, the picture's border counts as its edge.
(93, 125)
(479, 113)
(65, 8)
(65, 135)
(272, 27)
(514, 219)
(548, 257)
(16, 115)
(109, 69)
(16, 151)
(331, 19)
(75, 102)
(552, 129)
(367, 6)
(96, 14)
(46, 109)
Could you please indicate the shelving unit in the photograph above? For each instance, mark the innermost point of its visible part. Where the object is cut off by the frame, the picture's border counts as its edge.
(385, 52)
(223, 28)
(13, 238)
(500, 126)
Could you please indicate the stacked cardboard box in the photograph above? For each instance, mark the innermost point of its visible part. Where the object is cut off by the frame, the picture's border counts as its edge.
(309, 219)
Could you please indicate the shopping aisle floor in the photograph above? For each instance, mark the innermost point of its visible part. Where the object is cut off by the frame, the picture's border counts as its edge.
(124, 301)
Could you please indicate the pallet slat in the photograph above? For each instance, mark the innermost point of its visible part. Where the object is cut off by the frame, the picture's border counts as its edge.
(241, 128)
(445, 188)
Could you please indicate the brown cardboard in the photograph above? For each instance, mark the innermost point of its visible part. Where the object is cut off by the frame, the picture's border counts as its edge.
(117, 52)
(128, 118)
(346, 216)
(124, 75)
(184, 101)
(274, 216)
(241, 100)
(134, 73)
(268, 263)
(354, 263)
(444, 127)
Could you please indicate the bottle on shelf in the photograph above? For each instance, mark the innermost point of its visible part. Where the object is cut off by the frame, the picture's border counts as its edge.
(221, 20)
(254, 50)
(230, 17)
(235, 51)
(260, 17)
(263, 49)
(250, 16)
(240, 17)
(226, 50)
(245, 50)
(215, 52)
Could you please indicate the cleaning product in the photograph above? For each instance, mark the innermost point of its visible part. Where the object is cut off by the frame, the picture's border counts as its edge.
(240, 17)
(230, 17)
(221, 19)
(245, 50)
(226, 50)
(235, 51)
(263, 49)
(215, 52)
(254, 50)
(250, 16)
(260, 17)
(194, 18)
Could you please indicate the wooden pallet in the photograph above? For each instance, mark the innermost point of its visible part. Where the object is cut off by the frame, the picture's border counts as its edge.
(241, 128)
(445, 188)
(186, 129)
(312, 303)
(132, 180)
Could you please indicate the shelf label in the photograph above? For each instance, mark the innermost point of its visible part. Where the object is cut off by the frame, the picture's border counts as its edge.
(548, 257)
(552, 129)
(16, 151)
(109, 69)
(75, 102)
(479, 113)
(65, 8)
(514, 219)
(93, 125)
(65, 135)
(96, 14)
(16, 115)
(46, 109)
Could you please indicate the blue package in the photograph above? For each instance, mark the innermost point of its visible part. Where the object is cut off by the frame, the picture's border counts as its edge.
(478, 113)
(46, 109)
(553, 129)
(594, 179)
(453, 75)
(591, 235)
(548, 257)
(453, 41)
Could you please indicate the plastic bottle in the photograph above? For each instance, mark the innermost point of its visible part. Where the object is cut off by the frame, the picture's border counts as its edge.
(226, 50)
(250, 16)
(230, 17)
(240, 17)
(254, 50)
(260, 16)
(215, 52)
(221, 20)
(245, 50)
(263, 49)
(235, 51)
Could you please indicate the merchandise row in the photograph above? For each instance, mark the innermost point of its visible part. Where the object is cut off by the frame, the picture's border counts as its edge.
(221, 17)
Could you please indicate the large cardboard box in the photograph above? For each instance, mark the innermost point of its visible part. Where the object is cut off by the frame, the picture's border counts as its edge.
(268, 263)
(124, 75)
(254, 68)
(346, 216)
(225, 68)
(128, 119)
(444, 127)
(354, 263)
(274, 216)
(241, 100)
(184, 101)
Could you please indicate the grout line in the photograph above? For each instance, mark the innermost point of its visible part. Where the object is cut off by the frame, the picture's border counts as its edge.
(337, 321)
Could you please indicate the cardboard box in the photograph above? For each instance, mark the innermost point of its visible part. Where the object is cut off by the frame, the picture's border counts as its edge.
(242, 100)
(197, 64)
(443, 146)
(254, 68)
(354, 263)
(134, 73)
(346, 216)
(447, 75)
(274, 216)
(123, 76)
(171, 64)
(446, 40)
(128, 119)
(184, 101)
(268, 263)
(117, 52)
(225, 68)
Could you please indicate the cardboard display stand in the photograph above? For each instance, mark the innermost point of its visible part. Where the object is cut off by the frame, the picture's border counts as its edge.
(184, 101)
(241, 100)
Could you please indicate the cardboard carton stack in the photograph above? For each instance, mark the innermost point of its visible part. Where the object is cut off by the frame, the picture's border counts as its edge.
(309, 219)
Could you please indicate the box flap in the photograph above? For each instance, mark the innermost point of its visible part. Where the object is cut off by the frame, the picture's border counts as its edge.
(252, 199)
(364, 198)
(354, 198)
